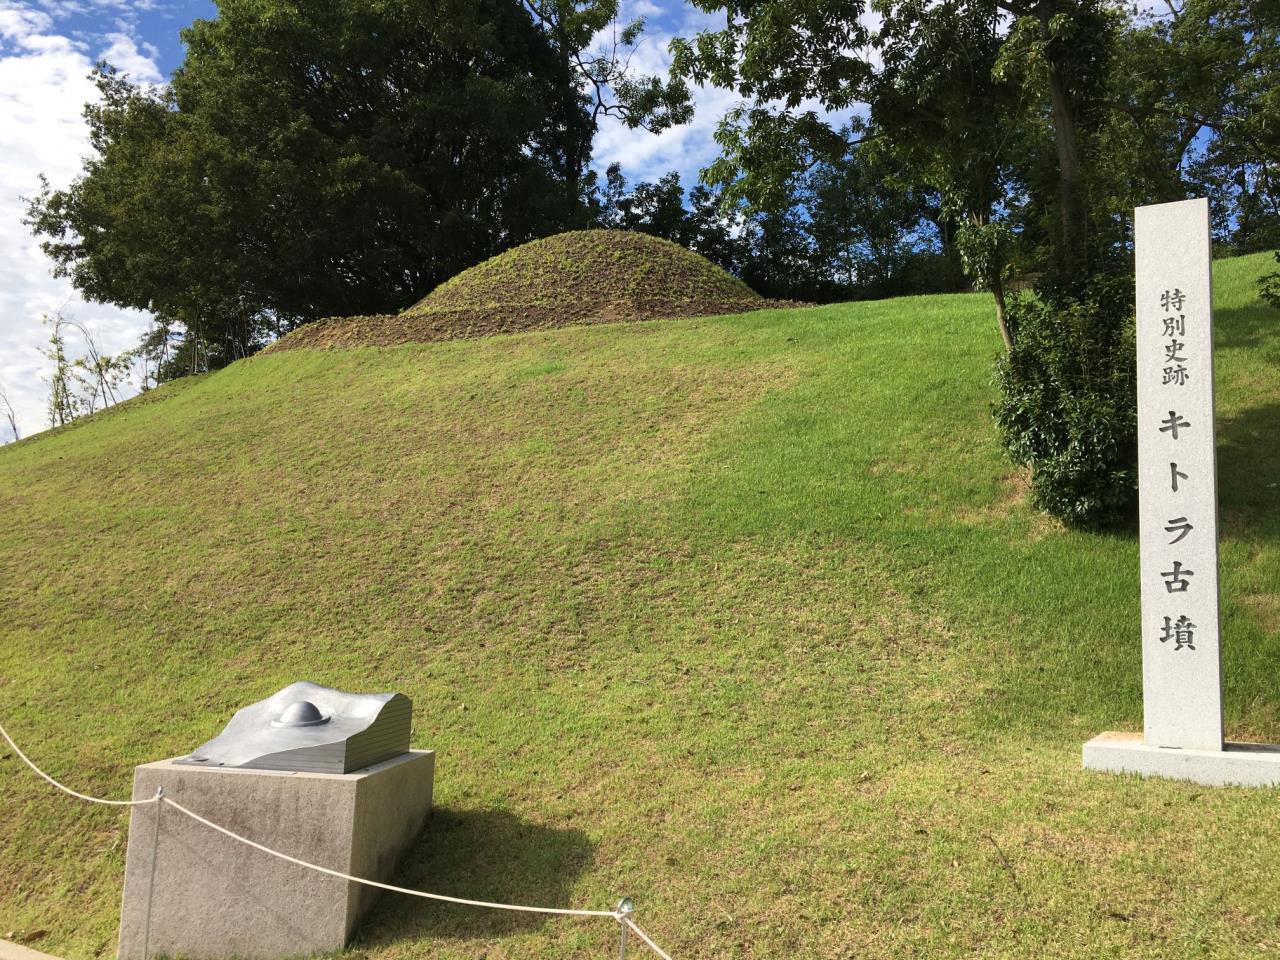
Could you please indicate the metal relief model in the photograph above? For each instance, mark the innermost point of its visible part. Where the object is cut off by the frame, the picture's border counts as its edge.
(325, 775)
(313, 729)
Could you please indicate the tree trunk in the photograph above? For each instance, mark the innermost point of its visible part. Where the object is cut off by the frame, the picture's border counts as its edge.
(1002, 312)
(1072, 215)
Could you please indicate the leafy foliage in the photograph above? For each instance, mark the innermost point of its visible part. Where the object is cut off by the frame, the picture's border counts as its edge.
(317, 159)
(872, 232)
(81, 385)
(847, 231)
(1049, 119)
(1269, 286)
(1221, 80)
(660, 209)
(1067, 404)
(587, 34)
(1037, 125)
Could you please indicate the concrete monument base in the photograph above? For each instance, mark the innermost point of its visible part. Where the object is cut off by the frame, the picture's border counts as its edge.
(206, 896)
(1236, 764)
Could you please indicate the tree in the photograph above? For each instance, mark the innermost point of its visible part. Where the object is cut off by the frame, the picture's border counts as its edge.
(1038, 124)
(8, 412)
(1269, 286)
(1220, 79)
(868, 227)
(81, 385)
(654, 208)
(965, 95)
(310, 160)
(950, 122)
(861, 197)
(660, 209)
(839, 233)
(603, 69)
(955, 95)
(721, 236)
(781, 262)
(163, 354)
(100, 377)
(64, 405)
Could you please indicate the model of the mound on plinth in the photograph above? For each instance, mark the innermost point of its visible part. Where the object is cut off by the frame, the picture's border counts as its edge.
(583, 277)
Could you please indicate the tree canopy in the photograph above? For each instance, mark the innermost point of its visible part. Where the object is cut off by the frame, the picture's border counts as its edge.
(1038, 125)
(310, 160)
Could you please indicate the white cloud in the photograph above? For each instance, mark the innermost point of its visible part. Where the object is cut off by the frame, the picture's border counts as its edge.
(687, 148)
(124, 55)
(44, 85)
(691, 147)
(640, 8)
(18, 24)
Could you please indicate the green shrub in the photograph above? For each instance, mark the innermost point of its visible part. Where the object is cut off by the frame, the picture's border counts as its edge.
(1269, 286)
(1067, 406)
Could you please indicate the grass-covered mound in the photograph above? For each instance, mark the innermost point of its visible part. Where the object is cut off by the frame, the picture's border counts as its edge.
(744, 617)
(587, 276)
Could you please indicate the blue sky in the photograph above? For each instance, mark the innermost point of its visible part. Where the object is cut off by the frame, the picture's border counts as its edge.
(47, 48)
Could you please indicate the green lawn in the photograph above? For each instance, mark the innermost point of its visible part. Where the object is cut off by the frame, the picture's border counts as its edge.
(746, 617)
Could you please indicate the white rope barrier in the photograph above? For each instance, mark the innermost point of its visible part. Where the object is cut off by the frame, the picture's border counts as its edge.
(66, 789)
(621, 915)
(645, 937)
(386, 886)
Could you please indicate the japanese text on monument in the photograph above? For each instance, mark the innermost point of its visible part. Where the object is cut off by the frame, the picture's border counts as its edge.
(1177, 482)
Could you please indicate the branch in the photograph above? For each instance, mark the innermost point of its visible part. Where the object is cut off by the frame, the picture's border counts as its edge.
(1154, 110)
(1013, 7)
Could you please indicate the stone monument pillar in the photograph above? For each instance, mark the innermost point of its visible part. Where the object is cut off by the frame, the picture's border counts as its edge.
(1178, 517)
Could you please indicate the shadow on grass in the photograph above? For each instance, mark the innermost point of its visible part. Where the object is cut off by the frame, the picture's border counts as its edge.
(480, 855)
(1247, 327)
(1249, 472)
(1249, 441)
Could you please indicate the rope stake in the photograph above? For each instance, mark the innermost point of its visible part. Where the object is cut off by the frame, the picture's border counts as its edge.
(623, 910)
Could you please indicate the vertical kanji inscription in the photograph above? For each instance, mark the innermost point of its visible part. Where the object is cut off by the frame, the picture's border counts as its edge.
(1177, 479)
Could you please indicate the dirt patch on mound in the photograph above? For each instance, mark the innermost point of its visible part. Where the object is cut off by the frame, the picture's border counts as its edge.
(584, 277)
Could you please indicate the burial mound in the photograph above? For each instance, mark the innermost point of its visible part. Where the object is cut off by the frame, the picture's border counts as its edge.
(586, 276)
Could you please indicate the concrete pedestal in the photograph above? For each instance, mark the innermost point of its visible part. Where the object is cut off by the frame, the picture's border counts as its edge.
(1237, 764)
(205, 896)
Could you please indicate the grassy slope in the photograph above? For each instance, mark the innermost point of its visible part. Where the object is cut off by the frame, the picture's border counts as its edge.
(744, 617)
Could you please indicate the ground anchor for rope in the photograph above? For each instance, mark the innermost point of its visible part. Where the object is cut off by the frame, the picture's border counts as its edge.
(624, 909)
